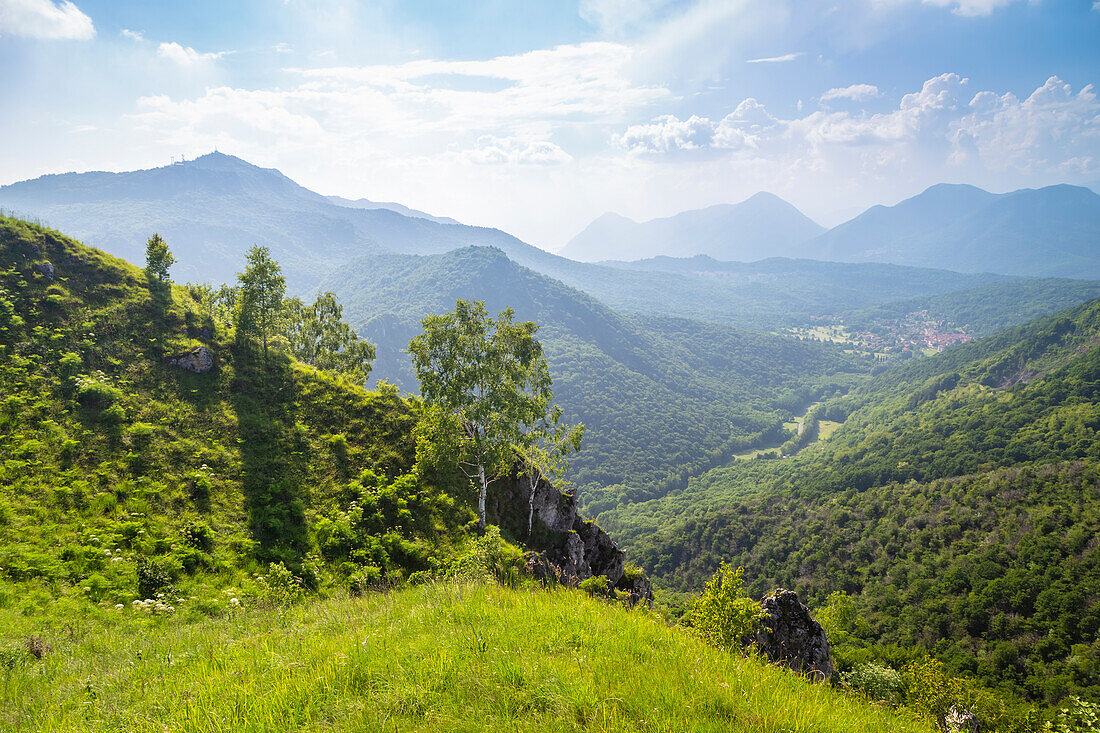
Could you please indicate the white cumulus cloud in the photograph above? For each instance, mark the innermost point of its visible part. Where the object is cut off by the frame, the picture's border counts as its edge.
(44, 19)
(1053, 131)
(132, 35)
(491, 150)
(185, 55)
(854, 93)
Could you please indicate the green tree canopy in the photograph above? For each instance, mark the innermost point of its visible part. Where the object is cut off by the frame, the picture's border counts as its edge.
(486, 377)
(319, 337)
(260, 296)
(158, 258)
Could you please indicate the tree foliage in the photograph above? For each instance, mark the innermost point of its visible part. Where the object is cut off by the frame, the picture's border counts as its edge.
(318, 336)
(488, 377)
(158, 258)
(260, 297)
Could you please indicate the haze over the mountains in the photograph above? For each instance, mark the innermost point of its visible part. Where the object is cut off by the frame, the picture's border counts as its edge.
(761, 226)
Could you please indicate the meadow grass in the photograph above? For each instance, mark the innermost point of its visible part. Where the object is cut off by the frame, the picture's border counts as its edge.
(439, 657)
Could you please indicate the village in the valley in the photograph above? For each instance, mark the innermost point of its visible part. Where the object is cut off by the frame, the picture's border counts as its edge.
(915, 333)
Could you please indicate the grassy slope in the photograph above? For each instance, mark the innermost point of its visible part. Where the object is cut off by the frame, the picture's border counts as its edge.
(264, 458)
(443, 657)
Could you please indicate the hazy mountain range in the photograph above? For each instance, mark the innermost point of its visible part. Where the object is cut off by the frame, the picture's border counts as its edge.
(1046, 232)
(761, 226)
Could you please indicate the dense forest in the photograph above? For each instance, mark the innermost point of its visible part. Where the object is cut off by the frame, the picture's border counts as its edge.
(662, 398)
(956, 505)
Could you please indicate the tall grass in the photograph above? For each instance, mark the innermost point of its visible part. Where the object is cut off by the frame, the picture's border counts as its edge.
(442, 656)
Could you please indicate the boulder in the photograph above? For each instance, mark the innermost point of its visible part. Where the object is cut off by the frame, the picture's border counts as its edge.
(45, 269)
(198, 360)
(788, 634)
(565, 547)
(959, 720)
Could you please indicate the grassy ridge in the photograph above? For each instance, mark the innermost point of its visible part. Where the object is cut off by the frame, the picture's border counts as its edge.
(439, 656)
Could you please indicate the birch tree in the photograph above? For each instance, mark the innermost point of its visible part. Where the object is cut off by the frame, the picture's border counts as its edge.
(488, 379)
(260, 296)
(542, 451)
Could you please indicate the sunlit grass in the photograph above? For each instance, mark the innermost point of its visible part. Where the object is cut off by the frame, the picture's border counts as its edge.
(443, 656)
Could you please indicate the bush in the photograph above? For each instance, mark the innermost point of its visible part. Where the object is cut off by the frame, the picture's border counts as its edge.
(724, 616)
(597, 585)
(281, 587)
(93, 393)
(490, 558)
(876, 682)
(153, 578)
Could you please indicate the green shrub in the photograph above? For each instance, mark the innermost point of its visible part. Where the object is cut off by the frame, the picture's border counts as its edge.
(491, 558)
(723, 615)
(1079, 716)
(153, 578)
(280, 587)
(199, 535)
(93, 393)
(876, 682)
(597, 585)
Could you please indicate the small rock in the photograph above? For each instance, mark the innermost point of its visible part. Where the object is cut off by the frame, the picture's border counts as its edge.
(788, 634)
(961, 721)
(45, 269)
(198, 360)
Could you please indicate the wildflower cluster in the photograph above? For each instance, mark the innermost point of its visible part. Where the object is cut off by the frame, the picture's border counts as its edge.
(158, 606)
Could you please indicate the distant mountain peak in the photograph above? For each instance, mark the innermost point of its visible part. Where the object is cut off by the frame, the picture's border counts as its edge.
(761, 225)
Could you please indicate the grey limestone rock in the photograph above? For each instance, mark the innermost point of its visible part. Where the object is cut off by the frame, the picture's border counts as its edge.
(566, 547)
(45, 269)
(198, 360)
(959, 720)
(788, 634)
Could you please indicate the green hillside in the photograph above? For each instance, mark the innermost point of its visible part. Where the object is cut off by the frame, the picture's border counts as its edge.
(144, 511)
(662, 398)
(119, 471)
(957, 505)
(436, 657)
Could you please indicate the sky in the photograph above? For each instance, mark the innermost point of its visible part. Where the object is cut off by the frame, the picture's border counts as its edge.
(536, 117)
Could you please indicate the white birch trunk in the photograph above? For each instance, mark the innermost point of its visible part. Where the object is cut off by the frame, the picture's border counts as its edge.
(531, 505)
(483, 490)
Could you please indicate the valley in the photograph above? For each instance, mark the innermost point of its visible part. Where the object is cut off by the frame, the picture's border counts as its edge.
(857, 432)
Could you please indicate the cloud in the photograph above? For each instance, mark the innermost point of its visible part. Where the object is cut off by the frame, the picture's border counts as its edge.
(776, 59)
(970, 7)
(666, 134)
(44, 19)
(855, 93)
(1054, 131)
(132, 35)
(616, 16)
(492, 150)
(185, 55)
(967, 8)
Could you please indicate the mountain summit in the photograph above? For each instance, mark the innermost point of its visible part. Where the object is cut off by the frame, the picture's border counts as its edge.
(1048, 232)
(763, 225)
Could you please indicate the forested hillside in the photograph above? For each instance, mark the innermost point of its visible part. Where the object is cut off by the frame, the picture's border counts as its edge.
(662, 398)
(170, 538)
(957, 505)
(122, 472)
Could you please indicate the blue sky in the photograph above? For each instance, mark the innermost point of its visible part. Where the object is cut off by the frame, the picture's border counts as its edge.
(538, 116)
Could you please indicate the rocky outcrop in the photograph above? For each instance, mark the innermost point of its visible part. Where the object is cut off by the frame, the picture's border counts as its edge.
(565, 547)
(788, 634)
(959, 720)
(45, 269)
(198, 360)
